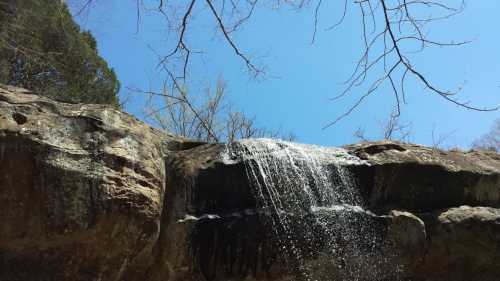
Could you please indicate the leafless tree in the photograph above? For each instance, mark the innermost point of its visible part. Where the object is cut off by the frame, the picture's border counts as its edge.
(399, 29)
(206, 117)
(392, 31)
(441, 140)
(491, 140)
(391, 129)
(360, 134)
(395, 129)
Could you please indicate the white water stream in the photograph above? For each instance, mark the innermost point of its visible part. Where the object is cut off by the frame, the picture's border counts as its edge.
(310, 201)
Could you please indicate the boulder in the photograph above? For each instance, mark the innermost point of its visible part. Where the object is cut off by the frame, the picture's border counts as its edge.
(463, 244)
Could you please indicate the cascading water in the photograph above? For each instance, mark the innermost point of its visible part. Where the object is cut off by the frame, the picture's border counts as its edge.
(312, 205)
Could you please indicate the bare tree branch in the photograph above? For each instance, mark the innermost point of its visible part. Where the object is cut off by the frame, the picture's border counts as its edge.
(205, 117)
(491, 140)
(391, 31)
(410, 31)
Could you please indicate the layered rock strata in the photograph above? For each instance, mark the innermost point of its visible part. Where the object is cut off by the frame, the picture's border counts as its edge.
(91, 193)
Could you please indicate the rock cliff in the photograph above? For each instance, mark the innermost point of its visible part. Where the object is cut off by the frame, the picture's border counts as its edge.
(82, 190)
(91, 193)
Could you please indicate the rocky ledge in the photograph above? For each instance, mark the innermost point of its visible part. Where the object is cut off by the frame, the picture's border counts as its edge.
(81, 189)
(91, 193)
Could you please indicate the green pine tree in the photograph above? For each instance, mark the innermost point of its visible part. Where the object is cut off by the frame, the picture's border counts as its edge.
(44, 50)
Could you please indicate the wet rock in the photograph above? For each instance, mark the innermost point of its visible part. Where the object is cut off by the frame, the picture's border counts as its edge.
(91, 193)
(463, 244)
(404, 185)
(404, 245)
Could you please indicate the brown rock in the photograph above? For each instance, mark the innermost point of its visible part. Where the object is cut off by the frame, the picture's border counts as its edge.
(91, 193)
(81, 189)
(417, 178)
(463, 244)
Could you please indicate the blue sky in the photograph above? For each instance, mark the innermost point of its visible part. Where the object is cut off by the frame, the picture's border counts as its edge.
(295, 94)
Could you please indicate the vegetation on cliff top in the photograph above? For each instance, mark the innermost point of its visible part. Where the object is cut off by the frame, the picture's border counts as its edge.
(44, 50)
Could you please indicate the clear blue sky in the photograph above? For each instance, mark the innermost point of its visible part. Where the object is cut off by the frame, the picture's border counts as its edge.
(295, 94)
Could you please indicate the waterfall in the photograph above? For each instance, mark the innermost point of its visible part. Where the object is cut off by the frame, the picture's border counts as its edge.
(312, 205)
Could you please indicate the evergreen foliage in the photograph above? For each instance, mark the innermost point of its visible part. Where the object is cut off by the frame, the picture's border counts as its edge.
(44, 50)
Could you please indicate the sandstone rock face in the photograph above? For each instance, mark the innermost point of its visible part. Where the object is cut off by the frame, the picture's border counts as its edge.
(420, 179)
(463, 244)
(418, 194)
(90, 193)
(81, 190)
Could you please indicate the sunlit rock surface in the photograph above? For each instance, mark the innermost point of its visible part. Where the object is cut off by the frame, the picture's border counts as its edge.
(90, 193)
(420, 179)
(81, 189)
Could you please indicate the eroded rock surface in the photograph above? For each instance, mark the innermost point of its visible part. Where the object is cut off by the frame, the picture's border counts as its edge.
(420, 179)
(418, 194)
(90, 193)
(81, 189)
